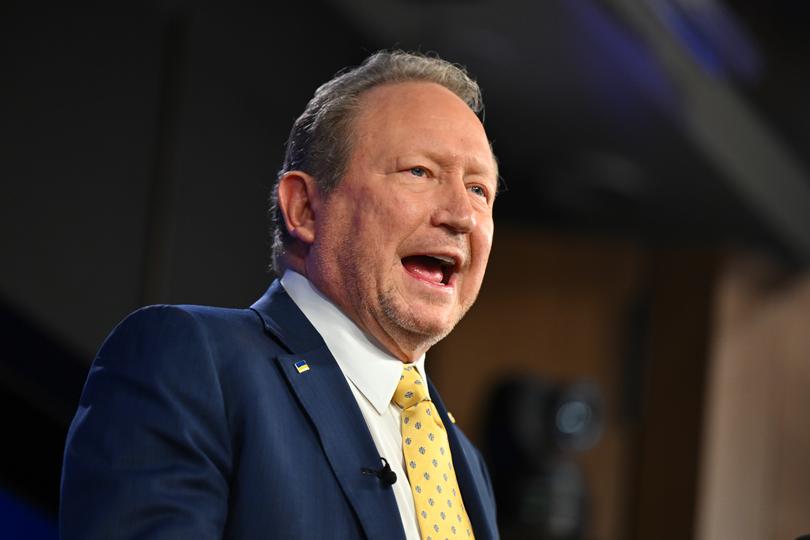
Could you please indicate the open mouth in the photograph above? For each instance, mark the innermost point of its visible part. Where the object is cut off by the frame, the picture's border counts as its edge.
(436, 269)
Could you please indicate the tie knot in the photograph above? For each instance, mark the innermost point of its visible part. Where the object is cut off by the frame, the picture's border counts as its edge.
(411, 389)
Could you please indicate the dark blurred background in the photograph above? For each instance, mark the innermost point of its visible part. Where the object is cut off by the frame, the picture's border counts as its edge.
(646, 306)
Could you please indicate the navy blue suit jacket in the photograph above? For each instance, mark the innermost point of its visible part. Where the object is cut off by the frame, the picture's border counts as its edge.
(194, 423)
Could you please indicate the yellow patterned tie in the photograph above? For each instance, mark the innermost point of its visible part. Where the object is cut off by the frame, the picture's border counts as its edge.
(439, 508)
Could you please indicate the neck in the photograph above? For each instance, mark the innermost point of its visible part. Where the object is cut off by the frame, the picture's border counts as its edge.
(406, 346)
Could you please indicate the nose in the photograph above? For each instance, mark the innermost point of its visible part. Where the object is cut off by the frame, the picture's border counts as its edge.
(454, 209)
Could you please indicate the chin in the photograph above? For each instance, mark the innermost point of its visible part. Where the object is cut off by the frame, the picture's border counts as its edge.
(422, 326)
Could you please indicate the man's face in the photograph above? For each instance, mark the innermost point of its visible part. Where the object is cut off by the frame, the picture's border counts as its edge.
(402, 242)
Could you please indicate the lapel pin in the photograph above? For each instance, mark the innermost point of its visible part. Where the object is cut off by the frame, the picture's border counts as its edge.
(451, 417)
(302, 366)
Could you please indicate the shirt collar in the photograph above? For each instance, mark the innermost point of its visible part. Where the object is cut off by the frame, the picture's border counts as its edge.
(374, 371)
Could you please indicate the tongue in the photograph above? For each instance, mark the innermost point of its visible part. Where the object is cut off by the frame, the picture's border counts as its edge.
(424, 267)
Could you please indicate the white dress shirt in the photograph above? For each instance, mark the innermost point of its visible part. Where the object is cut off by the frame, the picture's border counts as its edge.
(373, 375)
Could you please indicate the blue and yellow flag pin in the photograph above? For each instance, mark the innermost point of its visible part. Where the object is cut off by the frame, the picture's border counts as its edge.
(302, 366)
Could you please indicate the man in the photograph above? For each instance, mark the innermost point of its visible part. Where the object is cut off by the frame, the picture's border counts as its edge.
(286, 420)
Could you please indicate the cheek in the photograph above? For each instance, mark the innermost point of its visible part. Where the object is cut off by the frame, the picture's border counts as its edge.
(389, 215)
(480, 244)
(482, 241)
(376, 222)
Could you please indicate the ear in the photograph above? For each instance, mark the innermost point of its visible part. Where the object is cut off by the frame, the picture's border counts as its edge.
(297, 198)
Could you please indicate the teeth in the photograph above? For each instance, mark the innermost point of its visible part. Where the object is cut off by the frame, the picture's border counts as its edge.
(446, 261)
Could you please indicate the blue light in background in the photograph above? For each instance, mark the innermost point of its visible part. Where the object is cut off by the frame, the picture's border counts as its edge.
(712, 35)
(21, 521)
(620, 64)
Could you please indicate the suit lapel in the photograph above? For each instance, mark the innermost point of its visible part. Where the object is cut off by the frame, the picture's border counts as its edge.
(471, 482)
(325, 396)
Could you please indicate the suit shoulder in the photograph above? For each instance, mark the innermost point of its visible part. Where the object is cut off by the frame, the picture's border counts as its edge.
(184, 333)
(187, 313)
(165, 320)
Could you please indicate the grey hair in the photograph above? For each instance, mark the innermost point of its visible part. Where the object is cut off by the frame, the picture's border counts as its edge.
(319, 142)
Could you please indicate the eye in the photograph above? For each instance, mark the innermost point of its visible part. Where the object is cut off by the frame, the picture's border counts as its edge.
(418, 171)
(479, 190)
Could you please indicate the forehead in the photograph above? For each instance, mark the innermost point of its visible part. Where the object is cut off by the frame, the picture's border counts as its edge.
(421, 117)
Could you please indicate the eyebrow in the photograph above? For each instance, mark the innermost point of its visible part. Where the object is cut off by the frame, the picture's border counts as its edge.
(477, 166)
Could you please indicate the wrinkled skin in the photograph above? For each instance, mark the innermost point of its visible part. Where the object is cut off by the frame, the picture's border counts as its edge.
(418, 191)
